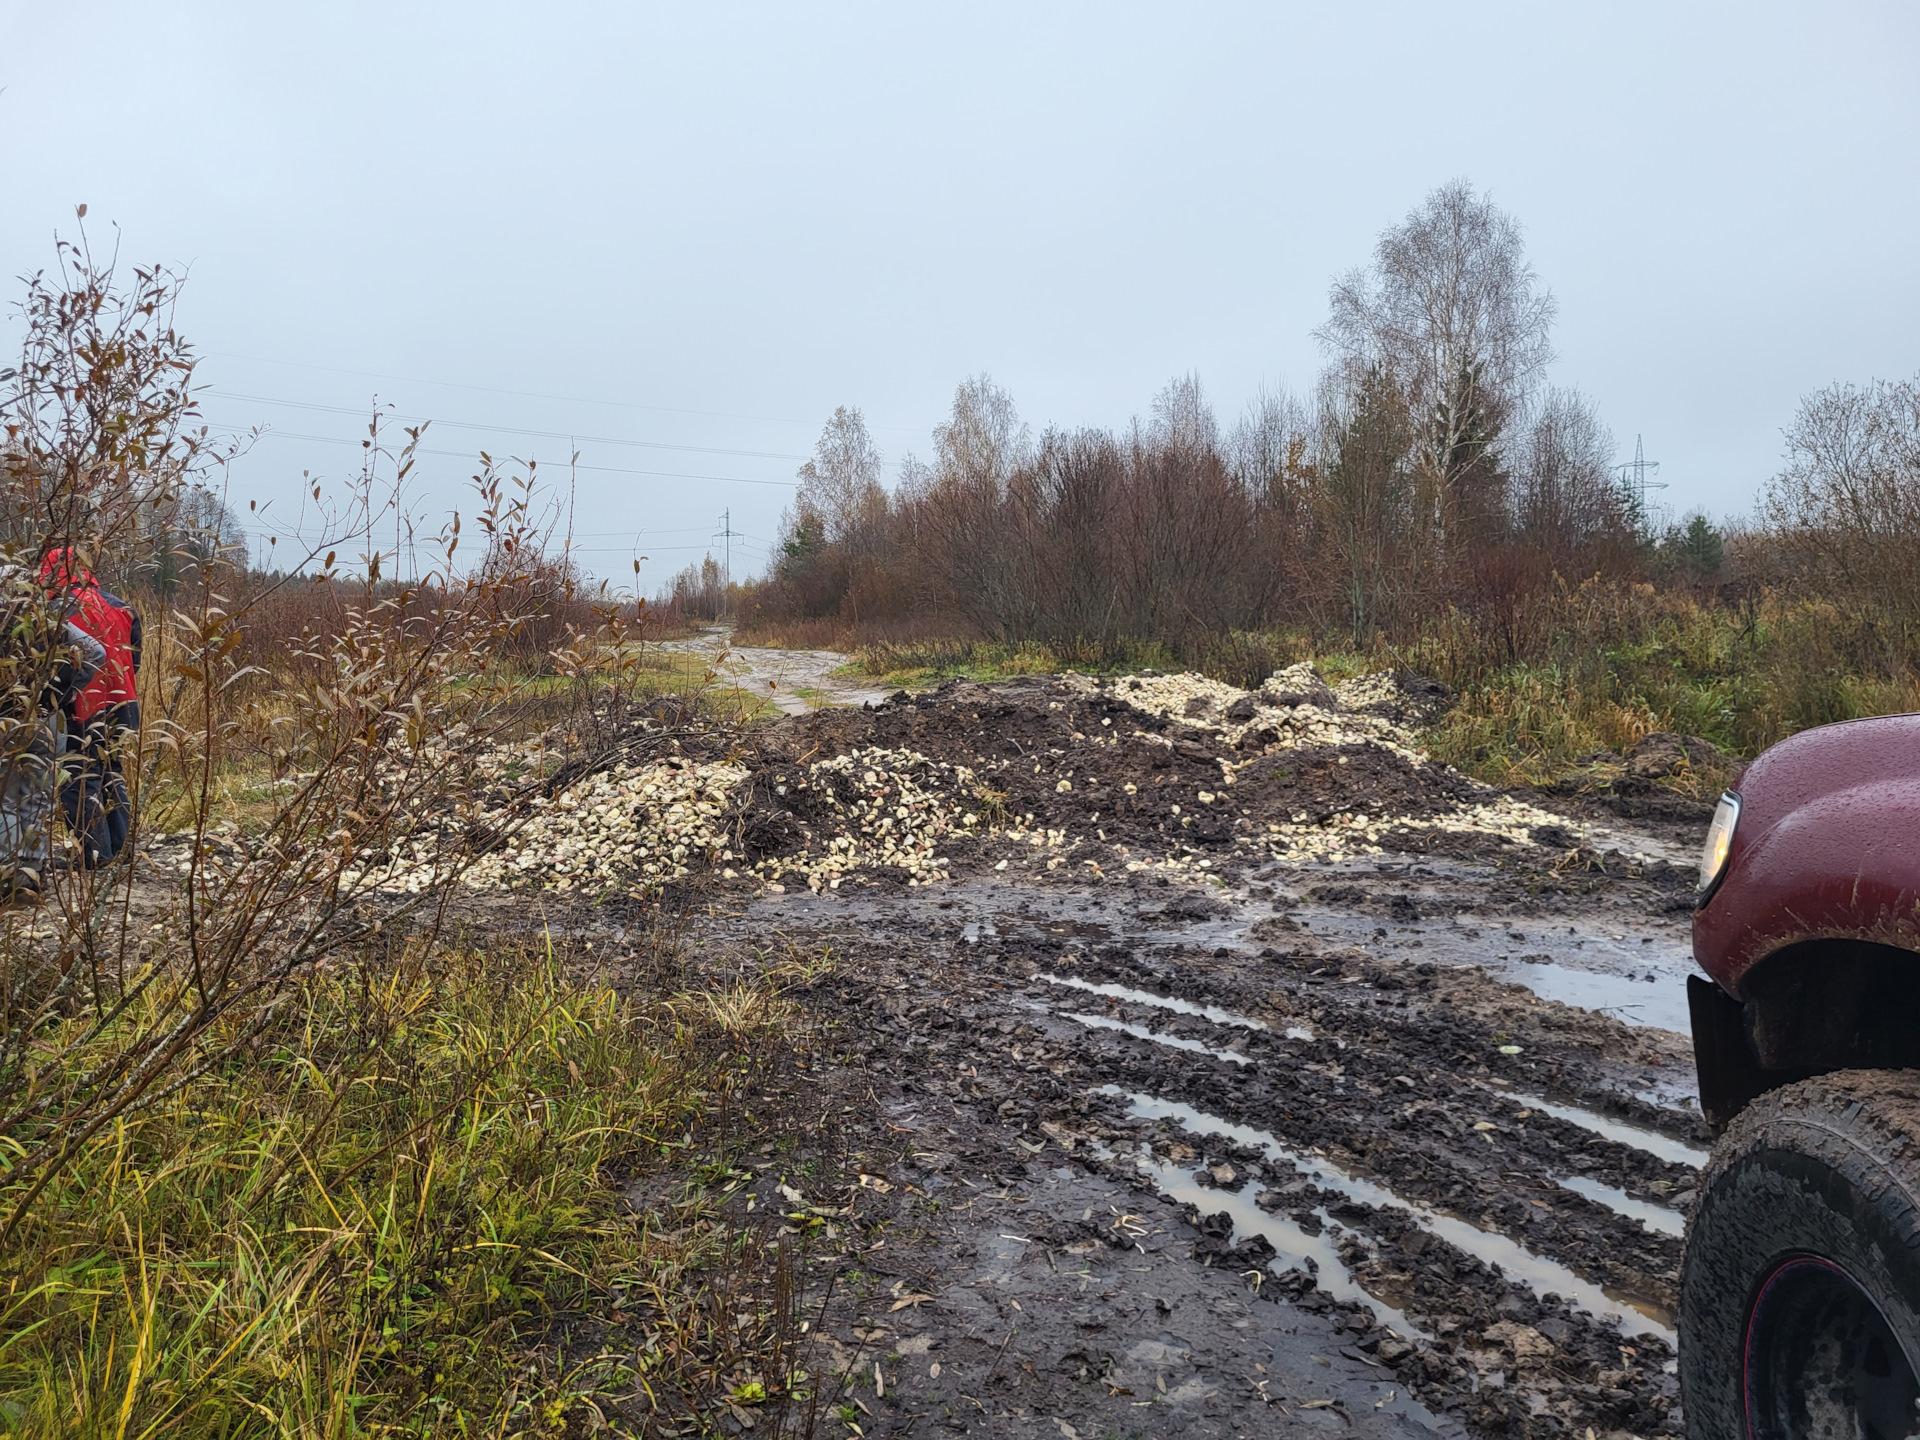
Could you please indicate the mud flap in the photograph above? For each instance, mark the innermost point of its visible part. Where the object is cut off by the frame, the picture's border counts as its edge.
(1730, 1077)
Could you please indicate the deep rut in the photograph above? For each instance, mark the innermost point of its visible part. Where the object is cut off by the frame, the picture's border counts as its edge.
(1479, 1191)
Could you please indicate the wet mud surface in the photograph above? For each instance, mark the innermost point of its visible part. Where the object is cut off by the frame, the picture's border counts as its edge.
(797, 682)
(1170, 1116)
(1273, 1149)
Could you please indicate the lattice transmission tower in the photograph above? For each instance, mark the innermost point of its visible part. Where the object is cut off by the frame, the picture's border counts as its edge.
(1636, 479)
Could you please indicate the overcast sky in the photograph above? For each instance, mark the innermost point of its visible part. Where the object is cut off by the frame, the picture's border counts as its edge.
(689, 232)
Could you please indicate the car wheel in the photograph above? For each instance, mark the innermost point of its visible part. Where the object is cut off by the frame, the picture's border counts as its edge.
(1800, 1287)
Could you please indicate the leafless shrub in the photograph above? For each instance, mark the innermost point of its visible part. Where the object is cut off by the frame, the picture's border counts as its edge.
(1565, 499)
(374, 745)
(1847, 503)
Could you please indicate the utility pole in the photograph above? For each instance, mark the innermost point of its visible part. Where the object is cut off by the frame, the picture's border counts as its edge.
(728, 533)
(1633, 479)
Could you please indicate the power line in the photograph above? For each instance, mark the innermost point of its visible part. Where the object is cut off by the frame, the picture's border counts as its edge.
(628, 550)
(501, 390)
(598, 469)
(532, 394)
(507, 429)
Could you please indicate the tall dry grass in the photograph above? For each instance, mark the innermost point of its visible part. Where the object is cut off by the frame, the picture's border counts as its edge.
(277, 1156)
(372, 1217)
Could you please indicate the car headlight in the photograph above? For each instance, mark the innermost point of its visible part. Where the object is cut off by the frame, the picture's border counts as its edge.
(1713, 859)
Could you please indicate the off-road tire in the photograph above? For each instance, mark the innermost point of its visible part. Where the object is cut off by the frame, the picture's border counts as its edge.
(1812, 1186)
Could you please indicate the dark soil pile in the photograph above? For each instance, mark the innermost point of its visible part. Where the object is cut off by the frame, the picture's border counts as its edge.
(1060, 754)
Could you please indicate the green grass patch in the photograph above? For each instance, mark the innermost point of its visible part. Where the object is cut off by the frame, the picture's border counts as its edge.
(371, 1221)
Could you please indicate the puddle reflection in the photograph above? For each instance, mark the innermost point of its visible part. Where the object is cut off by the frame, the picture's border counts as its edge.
(1140, 1032)
(1655, 1217)
(1540, 1274)
(1621, 1132)
(1162, 1002)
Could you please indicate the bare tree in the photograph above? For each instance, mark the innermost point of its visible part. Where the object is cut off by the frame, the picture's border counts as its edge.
(983, 442)
(1268, 437)
(1565, 496)
(1183, 422)
(102, 431)
(978, 516)
(841, 484)
(1453, 312)
(1848, 500)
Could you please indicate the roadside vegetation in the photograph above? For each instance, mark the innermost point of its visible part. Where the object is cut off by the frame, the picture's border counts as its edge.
(1431, 503)
(394, 1208)
(285, 1150)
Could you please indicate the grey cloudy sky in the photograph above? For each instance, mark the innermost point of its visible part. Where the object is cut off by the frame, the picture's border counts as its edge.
(705, 226)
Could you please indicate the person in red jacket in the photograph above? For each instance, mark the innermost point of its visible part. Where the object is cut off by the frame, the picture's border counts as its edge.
(102, 714)
(45, 662)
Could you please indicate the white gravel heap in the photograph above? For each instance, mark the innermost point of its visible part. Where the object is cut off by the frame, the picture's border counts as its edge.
(635, 828)
(1351, 834)
(1331, 718)
(888, 807)
(1291, 726)
(631, 828)
(1365, 692)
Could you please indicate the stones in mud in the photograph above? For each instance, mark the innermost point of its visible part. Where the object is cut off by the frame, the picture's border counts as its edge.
(1298, 685)
(1292, 1283)
(1524, 1342)
(1399, 696)
(1215, 1246)
(1275, 1200)
(1195, 905)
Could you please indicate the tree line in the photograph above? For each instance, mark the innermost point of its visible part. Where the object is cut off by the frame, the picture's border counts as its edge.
(1430, 471)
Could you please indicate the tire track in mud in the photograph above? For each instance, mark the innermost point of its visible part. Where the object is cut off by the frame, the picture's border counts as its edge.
(1480, 1186)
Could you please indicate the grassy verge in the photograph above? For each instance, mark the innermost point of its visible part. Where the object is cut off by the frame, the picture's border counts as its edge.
(920, 663)
(387, 1213)
(1580, 677)
(688, 674)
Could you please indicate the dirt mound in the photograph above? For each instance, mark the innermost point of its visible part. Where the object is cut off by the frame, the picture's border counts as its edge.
(1148, 771)
(1396, 695)
(1663, 753)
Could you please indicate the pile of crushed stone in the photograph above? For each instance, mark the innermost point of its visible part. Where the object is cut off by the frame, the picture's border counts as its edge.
(1102, 777)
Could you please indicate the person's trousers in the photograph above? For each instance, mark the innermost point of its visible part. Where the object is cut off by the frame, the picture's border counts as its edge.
(28, 778)
(93, 791)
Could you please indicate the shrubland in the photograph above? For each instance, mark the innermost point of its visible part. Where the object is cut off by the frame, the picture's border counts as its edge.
(282, 1152)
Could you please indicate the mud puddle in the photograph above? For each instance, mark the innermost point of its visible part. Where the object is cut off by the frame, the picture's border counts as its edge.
(1654, 1217)
(1639, 978)
(1141, 1032)
(1631, 1315)
(1163, 1002)
(1317, 1252)
(1622, 1132)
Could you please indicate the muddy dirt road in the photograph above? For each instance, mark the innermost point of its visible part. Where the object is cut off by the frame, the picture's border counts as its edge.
(1208, 1061)
(796, 681)
(1173, 1154)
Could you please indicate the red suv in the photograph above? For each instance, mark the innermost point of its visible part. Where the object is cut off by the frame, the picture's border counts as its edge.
(1800, 1290)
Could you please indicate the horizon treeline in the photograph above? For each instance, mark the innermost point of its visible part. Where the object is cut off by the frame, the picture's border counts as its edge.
(1431, 473)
